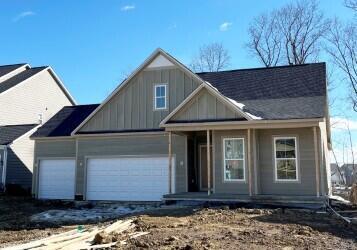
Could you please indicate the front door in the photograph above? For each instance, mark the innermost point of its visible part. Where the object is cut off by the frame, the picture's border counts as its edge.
(203, 167)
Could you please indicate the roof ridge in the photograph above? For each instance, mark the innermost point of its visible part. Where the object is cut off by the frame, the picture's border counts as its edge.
(93, 104)
(15, 64)
(263, 68)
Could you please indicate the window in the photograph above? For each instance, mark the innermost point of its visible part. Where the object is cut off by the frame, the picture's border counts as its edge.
(234, 165)
(160, 96)
(285, 159)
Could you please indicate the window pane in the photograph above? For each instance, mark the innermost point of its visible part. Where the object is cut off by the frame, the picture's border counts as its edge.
(285, 148)
(160, 102)
(158, 91)
(234, 149)
(286, 169)
(234, 169)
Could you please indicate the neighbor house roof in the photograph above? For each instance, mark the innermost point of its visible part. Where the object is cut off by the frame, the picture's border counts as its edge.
(9, 133)
(65, 121)
(283, 92)
(18, 78)
(6, 69)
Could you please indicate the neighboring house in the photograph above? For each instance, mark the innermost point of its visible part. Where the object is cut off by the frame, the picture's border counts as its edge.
(347, 171)
(168, 133)
(337, 177)
(28, 97)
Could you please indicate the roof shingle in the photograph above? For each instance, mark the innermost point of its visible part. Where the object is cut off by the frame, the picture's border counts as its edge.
(9, 133)
(5, 69)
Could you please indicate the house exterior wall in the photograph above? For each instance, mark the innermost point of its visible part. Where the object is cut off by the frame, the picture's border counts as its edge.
(2, 162)
(38, 95)
(220, 185)
(133, 106)
(306, 185)
(60, 148)
(140, 145)
(205, 106)
(20, 155)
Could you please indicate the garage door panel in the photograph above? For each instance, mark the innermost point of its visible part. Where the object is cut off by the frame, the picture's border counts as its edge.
(130, 179)
(56, 179)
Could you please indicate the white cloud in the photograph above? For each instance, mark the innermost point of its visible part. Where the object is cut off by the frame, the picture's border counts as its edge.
(340, 123)
(225, 26)
(23, 15)
(127, 7)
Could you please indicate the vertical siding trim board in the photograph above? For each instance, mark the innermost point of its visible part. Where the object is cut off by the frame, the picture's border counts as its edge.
(249, 162)
(4, 167)
(186, 163)
(208, 163)
(298, 179)
(317, 166)
(255, 161)
(170, 161)
(213, 162)
(244, 160)
(76, 169)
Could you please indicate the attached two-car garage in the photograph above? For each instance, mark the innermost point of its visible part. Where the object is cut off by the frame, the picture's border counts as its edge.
(127, 178)
(107, 178)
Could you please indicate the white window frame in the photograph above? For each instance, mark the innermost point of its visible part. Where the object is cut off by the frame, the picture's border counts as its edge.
(155, 97)
(224, 159)
(275, 138)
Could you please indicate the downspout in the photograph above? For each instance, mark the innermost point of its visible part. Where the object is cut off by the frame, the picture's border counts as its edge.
(3, 179)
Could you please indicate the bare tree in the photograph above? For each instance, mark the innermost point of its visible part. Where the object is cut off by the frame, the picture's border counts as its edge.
(342, 48)
(265, 39)
(212, 57)
(293, 33)
(352, 4)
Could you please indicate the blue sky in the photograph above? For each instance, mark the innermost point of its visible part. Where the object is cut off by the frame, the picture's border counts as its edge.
(91, 44)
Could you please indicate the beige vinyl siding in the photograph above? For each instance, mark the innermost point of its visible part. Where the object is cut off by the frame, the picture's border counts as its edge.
(20, 161)
(12, 73)
(140, 145)
(205, 106)
(306, 185)
(133, 106)
(228, 187)
(24, 102)
(64, 148)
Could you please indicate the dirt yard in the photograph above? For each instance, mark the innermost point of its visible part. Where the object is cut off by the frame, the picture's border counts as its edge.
(197, 228)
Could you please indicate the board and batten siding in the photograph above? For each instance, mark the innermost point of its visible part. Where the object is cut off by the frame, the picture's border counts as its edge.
(133, 106)
(228, 187)
(135, 146)
(205, 106)
(54, 149)
(38, 95)
(306, 185)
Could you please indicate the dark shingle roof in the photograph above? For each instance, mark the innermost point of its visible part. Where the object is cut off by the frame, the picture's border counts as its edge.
(284, 92)
(9, 133)
(65, 121)
(5, 69)
(13, 81)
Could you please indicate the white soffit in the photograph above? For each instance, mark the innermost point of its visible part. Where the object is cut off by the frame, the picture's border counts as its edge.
(160, 61)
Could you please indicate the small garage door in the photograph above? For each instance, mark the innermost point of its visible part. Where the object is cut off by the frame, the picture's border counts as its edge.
(127, 179)
(56, 179)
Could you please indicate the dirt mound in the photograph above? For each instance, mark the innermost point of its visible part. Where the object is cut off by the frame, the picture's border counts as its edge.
(353, 194)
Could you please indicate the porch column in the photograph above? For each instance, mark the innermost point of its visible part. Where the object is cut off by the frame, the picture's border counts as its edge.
(317, 170)
(250, 174)
(208, 164)
(170, 161)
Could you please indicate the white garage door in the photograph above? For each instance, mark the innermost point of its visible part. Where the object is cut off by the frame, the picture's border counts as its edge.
(56, 179)
(127, 179)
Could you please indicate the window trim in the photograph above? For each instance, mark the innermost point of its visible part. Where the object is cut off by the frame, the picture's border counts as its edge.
(276, 179)
(160, 85)
(224, 159)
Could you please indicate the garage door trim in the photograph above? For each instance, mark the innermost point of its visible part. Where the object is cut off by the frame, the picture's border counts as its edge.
(88, 157)
(38, 166)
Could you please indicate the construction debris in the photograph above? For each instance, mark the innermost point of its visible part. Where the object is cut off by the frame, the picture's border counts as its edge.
(92, 238)
(353, 194)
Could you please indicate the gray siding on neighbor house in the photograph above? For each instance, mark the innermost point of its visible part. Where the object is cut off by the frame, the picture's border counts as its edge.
(38, 95)
(19, 166)
(221, 186)
(132, 145)
(205, 106)
(52, 149)
(306, 163)
(133, 106)
(2, 154)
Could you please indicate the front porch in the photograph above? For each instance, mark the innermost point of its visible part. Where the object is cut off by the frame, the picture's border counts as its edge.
(274, 200)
